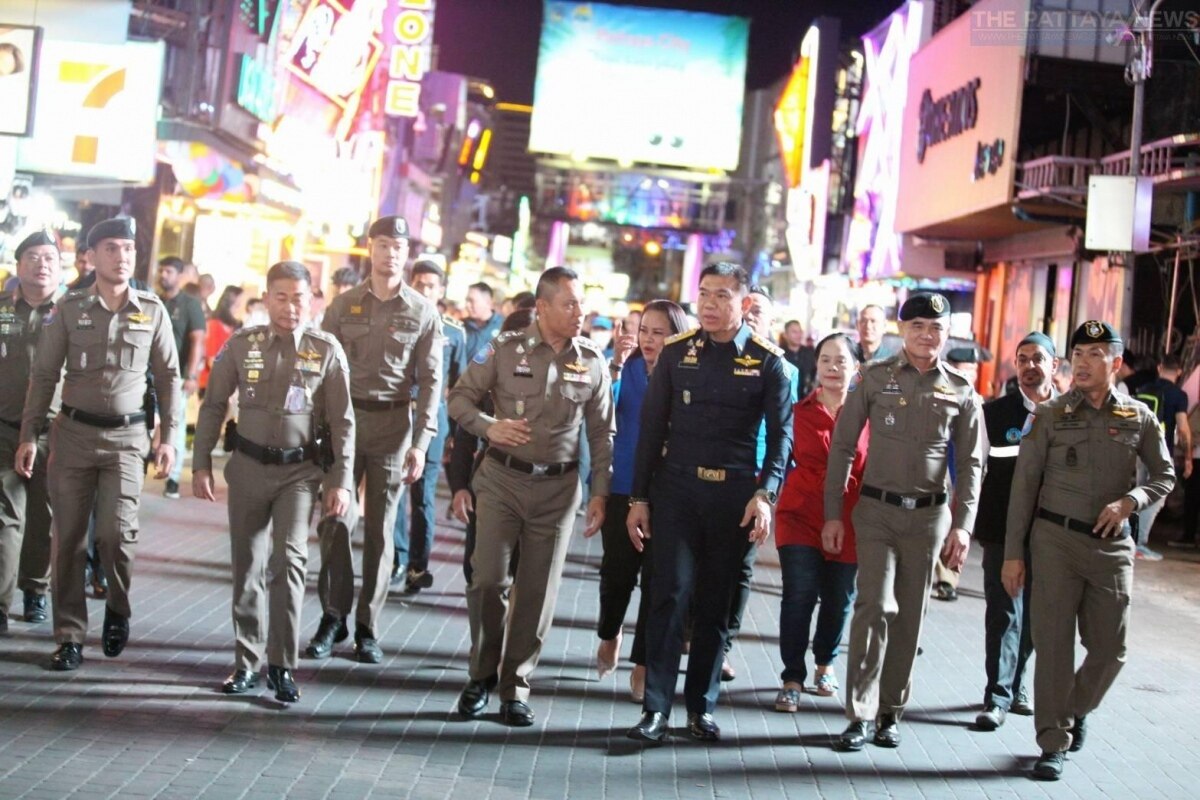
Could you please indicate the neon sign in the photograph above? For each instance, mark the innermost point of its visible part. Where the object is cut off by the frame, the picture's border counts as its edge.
(947, 116)
(408, 30)
(335, 50)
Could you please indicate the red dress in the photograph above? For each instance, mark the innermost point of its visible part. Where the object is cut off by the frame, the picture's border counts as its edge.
(217, 335)
(801, 512)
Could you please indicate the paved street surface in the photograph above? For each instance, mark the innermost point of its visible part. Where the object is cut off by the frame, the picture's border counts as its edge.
(153, 724)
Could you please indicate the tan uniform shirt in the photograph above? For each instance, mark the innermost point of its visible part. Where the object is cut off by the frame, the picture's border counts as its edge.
(914, 416)
(20, 331)
(1076, 459)
(554, 392)
(106, 355)
(287, 385)
(392, 345)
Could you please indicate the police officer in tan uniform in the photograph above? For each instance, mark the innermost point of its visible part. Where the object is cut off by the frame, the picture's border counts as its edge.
(907, 516)
(291, 381)
(1075, 482)
(546, 381)
(106, 335)
(25, 503)
(393, 340)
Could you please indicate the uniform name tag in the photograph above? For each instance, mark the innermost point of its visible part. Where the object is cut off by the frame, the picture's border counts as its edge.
(85, 324)
(891, 388)
(690, 362)
(1069, 425)
(526, 371)
(577, 377)
(305, 365)
(139, 326)
(747, 373)
(949, 398)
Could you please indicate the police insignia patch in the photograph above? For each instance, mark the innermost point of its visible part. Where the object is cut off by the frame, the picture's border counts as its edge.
(937, 303)
(1093, 328)
(482, 356)
(1012, 435)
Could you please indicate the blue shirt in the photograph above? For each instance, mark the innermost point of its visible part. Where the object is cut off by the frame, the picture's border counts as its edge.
(629, 391)
(479, 336)
(794, 376)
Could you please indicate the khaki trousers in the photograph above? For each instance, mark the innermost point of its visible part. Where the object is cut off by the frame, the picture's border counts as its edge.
(896, 551)
(100, 468)
(270, 509)
(1075, 578)
(24, 522)
(381, 439)
(536, 514)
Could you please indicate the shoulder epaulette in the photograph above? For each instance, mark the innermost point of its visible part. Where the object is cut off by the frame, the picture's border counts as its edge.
(246, 331)
(508, 336)
(75, 294)
(679, 337)
(954, 372)
(147, 295)
(588, 344)
(452, 322)
(767, 345)
(317, 333)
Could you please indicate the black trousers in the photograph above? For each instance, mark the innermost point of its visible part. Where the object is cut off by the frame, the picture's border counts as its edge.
(1191, 503)
(698, 542)
(1007, 635)
(741, 595)
(619, 572)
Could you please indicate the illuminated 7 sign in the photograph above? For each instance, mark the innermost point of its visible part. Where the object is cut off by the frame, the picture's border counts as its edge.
(408, 30)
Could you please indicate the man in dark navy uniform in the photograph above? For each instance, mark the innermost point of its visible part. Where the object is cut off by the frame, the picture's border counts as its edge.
(705, 496)
(1008, 639)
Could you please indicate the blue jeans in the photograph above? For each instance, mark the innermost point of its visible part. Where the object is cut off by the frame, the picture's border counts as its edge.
(1008, 637)
(414, 550)
(807, 578)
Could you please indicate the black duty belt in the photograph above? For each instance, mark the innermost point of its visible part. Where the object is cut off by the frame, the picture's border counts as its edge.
(276, 455)
(549, 470)
(712, 474)
(1077, 525)
(905, 501)
(104, 420)
(377, 405)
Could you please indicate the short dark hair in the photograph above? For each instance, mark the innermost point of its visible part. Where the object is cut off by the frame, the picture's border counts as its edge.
(518, 320)
(524, 300)
(427, 267)
(1171, 362)
(346, 276)
(792, 322)
(483, 288)
(761, 290)
(834, 337)
(174, 262)
(547, 284)
(289, 271)
(727, 269)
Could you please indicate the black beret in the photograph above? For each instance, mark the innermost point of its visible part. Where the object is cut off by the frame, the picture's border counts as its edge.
(928, 305)
(35, 239)
(1095, 332)
(115, 228)
(396, 227)
(1040, 339)
(963, 355)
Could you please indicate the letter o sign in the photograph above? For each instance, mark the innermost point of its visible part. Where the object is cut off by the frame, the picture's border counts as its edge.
(411, 27)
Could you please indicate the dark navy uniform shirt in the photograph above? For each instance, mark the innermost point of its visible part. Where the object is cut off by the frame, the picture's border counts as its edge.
(705, 402)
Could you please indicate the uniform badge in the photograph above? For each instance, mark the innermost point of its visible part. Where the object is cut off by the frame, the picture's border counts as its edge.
(890, 419)
(747, 361)
(903, 401)
(1093, 328)
(482, 356)
(83, 360)
(356, 310)
(250, 392)
(1072, 457)
(1012, 435)
(937, 304)
(577, 366)
(139, 318)
(520, 349)
(1125, 413)
(520, 408)
(84, 323)
(687, 397)
(50, 315)
(891, 388)
(252, 375)
(523, 369)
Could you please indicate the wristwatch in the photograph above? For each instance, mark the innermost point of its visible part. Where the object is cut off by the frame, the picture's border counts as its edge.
(768, 495)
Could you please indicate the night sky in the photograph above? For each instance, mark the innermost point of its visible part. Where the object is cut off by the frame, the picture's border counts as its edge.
(498, 39)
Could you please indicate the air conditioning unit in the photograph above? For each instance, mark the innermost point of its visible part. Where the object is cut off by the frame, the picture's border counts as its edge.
(1118, 213)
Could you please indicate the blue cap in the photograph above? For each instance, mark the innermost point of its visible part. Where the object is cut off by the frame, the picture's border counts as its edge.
(603, 323)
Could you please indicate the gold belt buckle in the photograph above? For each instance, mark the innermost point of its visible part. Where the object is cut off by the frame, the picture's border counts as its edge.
(713, 475)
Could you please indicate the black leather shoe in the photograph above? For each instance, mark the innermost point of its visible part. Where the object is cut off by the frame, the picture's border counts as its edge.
(516, 714)
(35, 607)
(1021, 705)
(652, 727)
(116, 633)
(1049, 767)
(854, 738)
(240, 682)
(418, 580)
(703, 728)
(67, 657)
(366, 648)
(330, 631)
(887, 731)
(1078, 734)
(474, 698)
(280, 679)
(990, 718)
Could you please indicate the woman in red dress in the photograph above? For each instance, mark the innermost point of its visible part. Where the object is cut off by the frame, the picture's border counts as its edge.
(811, 574)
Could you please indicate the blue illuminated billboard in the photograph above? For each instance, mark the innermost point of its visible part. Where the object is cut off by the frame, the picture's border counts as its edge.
(640, 85)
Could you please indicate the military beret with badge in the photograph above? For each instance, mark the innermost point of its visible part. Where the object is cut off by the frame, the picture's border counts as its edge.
(926, 305)
(396, 227)
(35, 239)
(1095, 332)
(115, 228)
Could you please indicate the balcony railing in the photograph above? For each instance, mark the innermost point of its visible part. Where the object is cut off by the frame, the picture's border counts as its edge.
(1168, 161)
(1054, 176)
